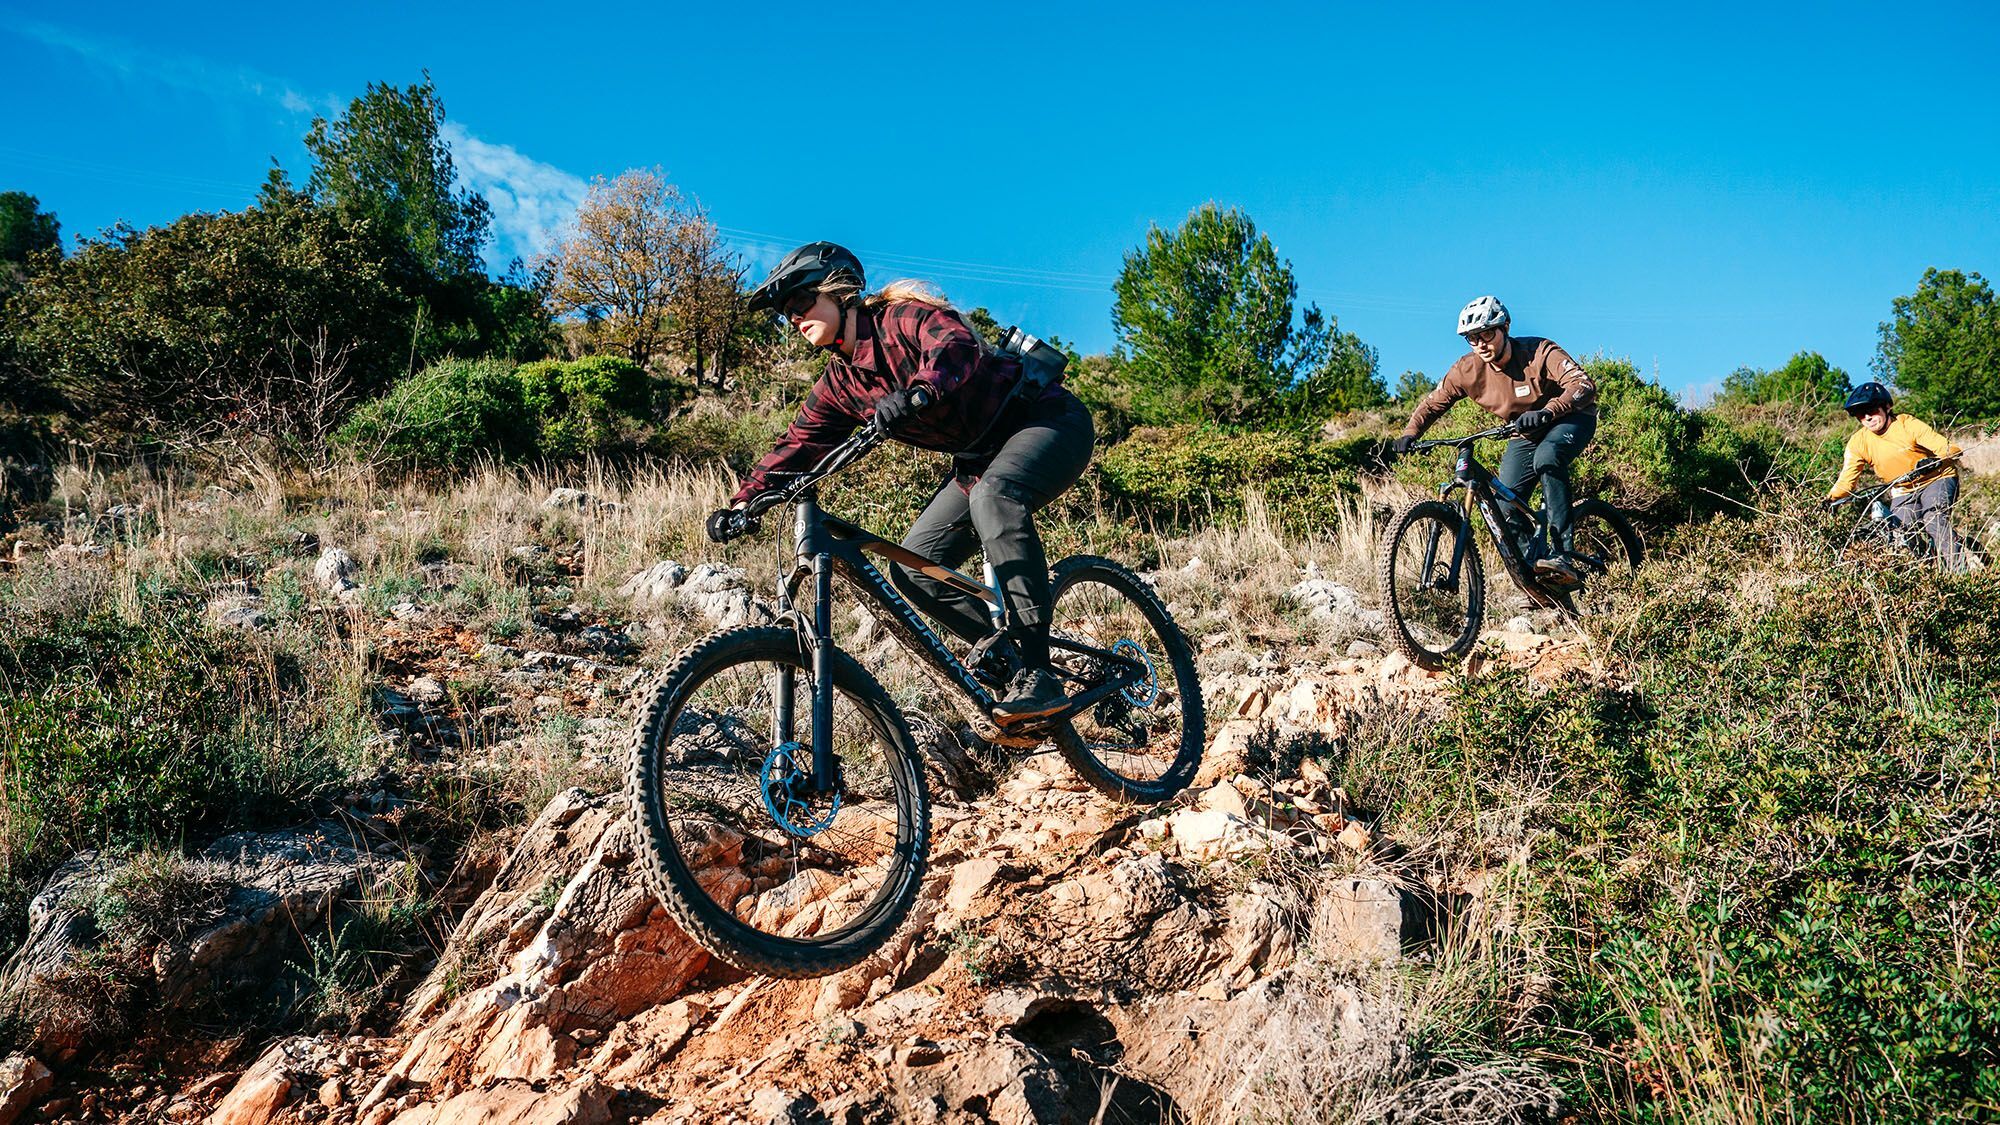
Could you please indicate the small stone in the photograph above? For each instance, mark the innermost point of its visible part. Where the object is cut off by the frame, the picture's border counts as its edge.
(330, 1093)
(573, 498)
(1357, 836)
(427, 690)
(1361, 650)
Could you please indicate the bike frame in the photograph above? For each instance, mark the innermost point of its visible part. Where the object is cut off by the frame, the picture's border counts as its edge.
(1492, 500)
(826, 547)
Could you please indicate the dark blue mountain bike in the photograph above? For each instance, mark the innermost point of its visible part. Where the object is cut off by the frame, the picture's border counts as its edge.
(779, 797)
(1433, 586)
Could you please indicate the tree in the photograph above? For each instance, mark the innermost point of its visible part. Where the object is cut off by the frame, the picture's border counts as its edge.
(1411, 386)
(273, 318)
(385, 160)
(638, 253)
(1204, 315)
(1338, 373)
(1805, 378)
(25, 230)
(1941, 347)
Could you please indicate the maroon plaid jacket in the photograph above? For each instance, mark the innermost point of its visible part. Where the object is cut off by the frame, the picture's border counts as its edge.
(902, 345)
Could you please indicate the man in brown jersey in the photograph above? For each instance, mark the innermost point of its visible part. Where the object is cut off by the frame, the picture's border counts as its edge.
(1534, 384)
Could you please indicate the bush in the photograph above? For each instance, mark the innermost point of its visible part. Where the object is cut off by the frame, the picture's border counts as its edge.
(450, 414)
(143, 729)
(1764, 858)
(1174, 474)
(579, 406)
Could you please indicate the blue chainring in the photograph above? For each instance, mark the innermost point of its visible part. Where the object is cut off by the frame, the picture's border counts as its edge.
(1143, 693)
(785, 788)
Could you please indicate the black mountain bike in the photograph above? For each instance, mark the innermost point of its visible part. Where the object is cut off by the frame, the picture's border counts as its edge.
(1881, 531)
(779, 797)
(1433, 584)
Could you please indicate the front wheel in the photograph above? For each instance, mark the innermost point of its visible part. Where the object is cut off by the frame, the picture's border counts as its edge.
(1433, 589)
(761, 868)
(1142, 742)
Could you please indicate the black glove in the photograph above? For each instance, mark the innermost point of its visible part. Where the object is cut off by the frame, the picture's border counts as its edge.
(1926, 465)
(1534, 422)
(729, 523)
(1401, 445)
(894, 409)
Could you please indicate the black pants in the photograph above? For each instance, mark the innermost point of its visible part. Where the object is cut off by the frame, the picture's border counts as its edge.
(1547, 459)
(991, 505)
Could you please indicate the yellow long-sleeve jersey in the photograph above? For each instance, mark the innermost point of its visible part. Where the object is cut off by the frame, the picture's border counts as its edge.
(1895, 452)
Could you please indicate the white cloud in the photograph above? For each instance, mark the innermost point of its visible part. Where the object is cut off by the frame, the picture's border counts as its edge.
(181, 72)
(531, 201)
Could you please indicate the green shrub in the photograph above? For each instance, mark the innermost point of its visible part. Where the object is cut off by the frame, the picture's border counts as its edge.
(146, 728)
(579, 406)
(1764, 858)
(1173, 474)
(450, 414)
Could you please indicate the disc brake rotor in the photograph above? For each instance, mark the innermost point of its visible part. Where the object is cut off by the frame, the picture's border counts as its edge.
(786, 785)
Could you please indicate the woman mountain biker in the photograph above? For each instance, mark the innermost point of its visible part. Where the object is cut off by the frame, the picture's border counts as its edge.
(1534, 384)
(1896, 444)
(1012, 453)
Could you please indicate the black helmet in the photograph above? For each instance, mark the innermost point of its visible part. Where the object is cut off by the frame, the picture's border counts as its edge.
(1867, 397)
(805, 268)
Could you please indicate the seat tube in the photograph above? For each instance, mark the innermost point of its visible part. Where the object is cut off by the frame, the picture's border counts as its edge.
(823, 772)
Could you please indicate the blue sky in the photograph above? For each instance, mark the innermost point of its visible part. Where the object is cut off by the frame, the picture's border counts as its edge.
(1696, 187)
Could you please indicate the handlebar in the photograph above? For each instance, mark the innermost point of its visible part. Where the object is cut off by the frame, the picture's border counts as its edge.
(1865, 497)
(1507, 431)
(865, 438)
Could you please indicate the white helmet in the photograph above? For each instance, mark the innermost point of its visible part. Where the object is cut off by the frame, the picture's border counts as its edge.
(1486, 312)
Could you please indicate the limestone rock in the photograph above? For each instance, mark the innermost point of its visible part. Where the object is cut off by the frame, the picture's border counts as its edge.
(261, 1092)
(23, 1081)
(570, 498)
(1002, 1081)
(1361, 920)
(654, 586)
(335, 570)
(603, 952)
(268, 889)
(516, 1103)
(1339, 605)
(246, 613)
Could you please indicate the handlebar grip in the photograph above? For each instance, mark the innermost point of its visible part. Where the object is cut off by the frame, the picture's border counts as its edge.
(921, 397)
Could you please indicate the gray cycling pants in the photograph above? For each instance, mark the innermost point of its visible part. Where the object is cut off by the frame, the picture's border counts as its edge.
(1547, 459)
(991, 505)
(1930, 508)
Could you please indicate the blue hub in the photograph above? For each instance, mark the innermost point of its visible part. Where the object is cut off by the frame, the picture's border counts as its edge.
(786, 785)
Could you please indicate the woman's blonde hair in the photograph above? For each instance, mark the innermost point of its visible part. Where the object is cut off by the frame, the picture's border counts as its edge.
(902, 289)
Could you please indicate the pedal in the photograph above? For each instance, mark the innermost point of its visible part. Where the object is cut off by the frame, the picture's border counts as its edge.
(1013, 738)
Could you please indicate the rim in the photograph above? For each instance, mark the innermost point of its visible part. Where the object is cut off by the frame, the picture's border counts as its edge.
(1137, 732)
(1434, 618)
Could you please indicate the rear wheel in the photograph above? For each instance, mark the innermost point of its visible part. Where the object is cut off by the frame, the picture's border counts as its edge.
(1603, 545)
(1142, 742)
(1433, 589)
(759, 868)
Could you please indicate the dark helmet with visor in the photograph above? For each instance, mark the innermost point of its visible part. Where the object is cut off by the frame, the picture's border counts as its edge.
(1866, 397)
(804, 270)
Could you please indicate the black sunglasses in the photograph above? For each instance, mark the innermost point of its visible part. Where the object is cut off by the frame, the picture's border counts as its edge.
(799, 303)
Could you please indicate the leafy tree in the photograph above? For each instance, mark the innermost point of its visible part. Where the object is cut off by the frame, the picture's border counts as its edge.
(1941, 347)
(1805, 378)
(273, 317)
(1205, 316)
(25, 230)
(642, 267)
(385, 160)
(1339, 373)
(1411, 386)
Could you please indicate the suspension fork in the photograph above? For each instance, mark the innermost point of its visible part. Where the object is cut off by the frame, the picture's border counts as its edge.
(825, 771)
(1460, 543)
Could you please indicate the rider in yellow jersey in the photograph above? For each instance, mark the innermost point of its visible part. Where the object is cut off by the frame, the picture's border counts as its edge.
(1897, 444)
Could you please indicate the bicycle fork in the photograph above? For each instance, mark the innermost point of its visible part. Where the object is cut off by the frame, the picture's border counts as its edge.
(784, 697)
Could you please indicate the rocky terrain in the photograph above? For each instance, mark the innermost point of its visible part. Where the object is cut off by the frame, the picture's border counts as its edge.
(1071, 958)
